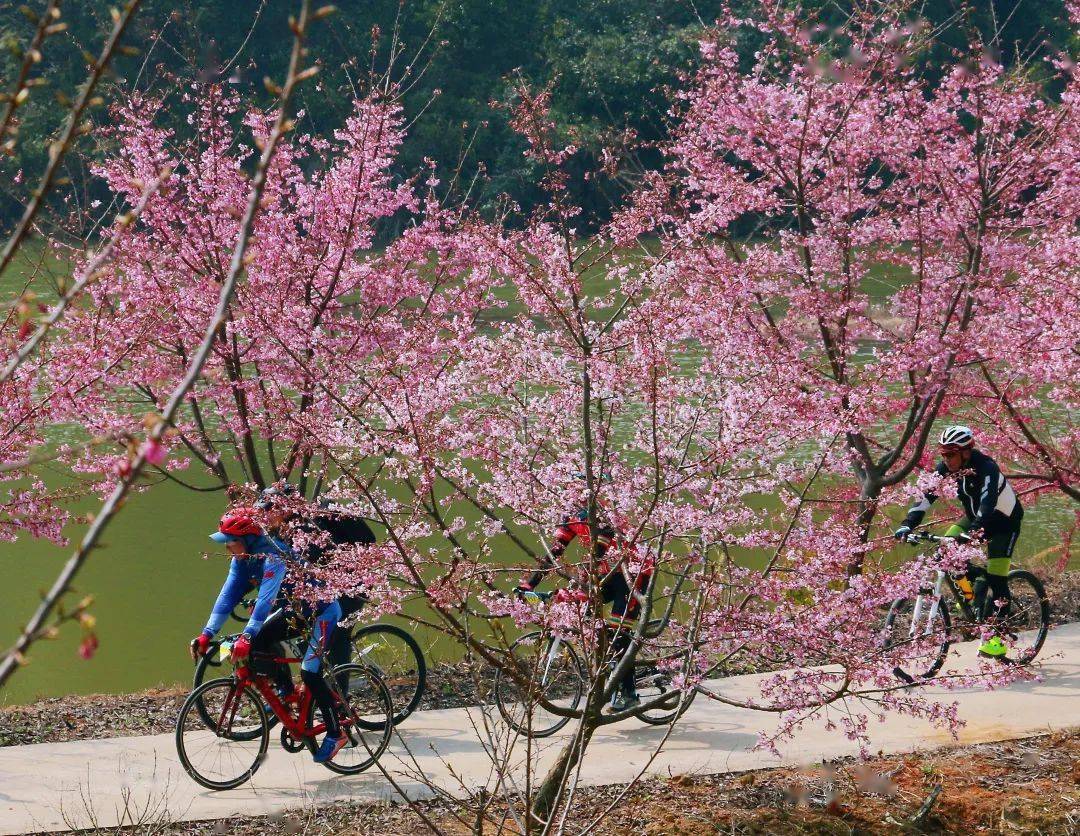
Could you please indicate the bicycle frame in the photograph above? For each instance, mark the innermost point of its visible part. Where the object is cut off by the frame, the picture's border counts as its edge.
(935, 594)
(942, 580)
(552, 655)
(292, 725)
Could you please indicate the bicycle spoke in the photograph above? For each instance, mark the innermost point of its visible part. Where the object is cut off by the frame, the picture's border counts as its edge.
(917, 637)
(1026, 618)
(546, 672)
(397, 659)
(217, 757)
(364, 711)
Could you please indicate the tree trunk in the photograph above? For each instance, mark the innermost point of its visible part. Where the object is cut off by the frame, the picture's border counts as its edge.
(546, 800)
(868, 505)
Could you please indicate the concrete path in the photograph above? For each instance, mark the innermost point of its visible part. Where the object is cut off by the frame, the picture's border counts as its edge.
(59, 786)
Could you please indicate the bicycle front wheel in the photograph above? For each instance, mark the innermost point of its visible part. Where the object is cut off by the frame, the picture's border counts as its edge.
(917, 637)
(364, 710)
(1028, 618)
(226, 753)
(397, 659)
(210, 664)
(543, 670)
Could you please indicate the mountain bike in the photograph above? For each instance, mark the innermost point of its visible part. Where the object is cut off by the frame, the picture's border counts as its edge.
(223, 730)
(392, 651)
(924, 628)
(550, 675)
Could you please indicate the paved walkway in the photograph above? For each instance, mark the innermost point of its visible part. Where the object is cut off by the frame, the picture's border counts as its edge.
(58, 786)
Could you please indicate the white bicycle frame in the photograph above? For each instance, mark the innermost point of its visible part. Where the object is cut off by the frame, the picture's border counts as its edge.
(552, 655)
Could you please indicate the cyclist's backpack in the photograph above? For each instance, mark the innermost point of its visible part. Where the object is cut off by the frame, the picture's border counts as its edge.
(343, 531)
(346, 529)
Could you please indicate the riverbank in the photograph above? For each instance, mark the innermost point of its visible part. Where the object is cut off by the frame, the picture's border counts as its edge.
(154, 711)
(1019, 786)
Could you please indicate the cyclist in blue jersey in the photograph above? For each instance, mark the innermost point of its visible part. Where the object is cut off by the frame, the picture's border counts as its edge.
(260, 560)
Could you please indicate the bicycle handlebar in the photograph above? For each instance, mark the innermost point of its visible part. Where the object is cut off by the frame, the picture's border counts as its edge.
(916, 537)
(533, 595)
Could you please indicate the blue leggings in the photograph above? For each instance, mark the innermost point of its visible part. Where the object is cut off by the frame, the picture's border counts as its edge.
(321, 631)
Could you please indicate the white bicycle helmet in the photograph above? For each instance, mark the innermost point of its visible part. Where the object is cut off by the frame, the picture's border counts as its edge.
(957, 436)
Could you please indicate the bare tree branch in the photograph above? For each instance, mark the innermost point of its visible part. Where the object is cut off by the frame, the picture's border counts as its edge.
(62, 584)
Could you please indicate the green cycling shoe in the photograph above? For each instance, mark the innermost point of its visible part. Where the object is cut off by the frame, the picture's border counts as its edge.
(993, 648)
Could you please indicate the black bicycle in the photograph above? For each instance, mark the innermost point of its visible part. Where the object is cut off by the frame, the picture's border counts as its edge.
(923, 628)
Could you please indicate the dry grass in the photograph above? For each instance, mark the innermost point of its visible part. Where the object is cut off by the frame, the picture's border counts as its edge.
(1029, 786)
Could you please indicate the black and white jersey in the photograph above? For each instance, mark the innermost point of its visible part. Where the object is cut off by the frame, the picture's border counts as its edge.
(988, 499)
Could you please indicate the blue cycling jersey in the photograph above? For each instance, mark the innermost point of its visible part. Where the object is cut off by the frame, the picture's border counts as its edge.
(264, 568)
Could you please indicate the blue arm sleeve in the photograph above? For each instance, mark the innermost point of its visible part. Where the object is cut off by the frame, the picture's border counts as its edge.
(236, 584)
(269, 586)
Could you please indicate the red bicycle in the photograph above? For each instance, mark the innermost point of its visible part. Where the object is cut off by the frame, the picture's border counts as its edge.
(223, 731)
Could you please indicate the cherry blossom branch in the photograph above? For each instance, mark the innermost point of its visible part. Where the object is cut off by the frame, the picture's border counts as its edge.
(16, 654)
(1056, 472)
(20, 89)
(87, 275)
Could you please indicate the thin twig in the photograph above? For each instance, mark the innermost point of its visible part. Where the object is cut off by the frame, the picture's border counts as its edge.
(109, 509)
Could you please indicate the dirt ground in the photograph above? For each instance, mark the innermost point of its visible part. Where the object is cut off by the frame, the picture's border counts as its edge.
(1027, 786)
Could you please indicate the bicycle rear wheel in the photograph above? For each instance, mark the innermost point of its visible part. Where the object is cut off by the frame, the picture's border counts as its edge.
(397, 659)
(918, 647)
(1028, 620)
(543, 670)
(229, 751)
(364, 710)
(669, 710)
(653, 679)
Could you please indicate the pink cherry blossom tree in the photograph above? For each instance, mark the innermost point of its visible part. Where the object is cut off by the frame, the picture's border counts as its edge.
(684, 377)
(25, 432)
(862, 167)
(28, 507)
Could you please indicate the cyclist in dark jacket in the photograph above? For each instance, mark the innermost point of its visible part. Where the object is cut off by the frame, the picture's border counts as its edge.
(340, 529)
(991, 509)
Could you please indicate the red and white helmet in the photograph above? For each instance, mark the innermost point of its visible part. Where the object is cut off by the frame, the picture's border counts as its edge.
(236, 523)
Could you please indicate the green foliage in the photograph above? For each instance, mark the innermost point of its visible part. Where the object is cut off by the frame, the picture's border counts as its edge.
(609, 63)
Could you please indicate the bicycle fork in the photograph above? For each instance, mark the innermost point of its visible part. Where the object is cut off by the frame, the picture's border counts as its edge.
(932, 609)
(552, 655)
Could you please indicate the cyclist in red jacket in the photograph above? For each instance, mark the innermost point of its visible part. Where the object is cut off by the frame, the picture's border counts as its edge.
(618, 587)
